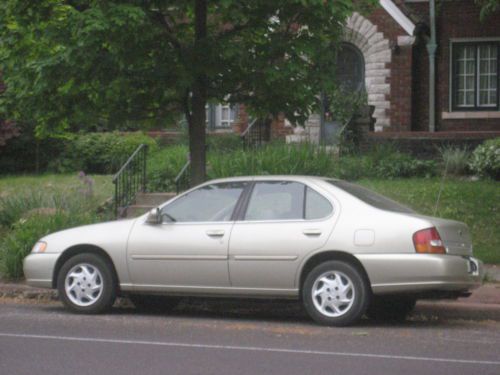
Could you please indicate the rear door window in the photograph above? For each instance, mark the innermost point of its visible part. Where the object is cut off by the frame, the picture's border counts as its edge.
(286, 200)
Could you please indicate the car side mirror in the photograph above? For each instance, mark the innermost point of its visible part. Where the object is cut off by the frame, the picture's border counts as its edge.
(154, 216)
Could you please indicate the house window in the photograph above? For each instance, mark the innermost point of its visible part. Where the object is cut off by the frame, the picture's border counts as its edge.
(220, 115)
(475, 76)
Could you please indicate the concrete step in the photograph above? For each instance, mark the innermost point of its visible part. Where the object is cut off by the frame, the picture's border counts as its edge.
(153, 199)
(136, 210)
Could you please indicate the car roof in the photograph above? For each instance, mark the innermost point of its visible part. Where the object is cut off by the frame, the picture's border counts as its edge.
(300, 178)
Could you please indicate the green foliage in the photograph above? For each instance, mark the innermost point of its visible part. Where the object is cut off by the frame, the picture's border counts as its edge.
(224, 142)
(399, 165)
(31, 207)
(105, 65)
(25, 153)
(276, 158)
(100, 152)
(488, 7)
(26, 231)
(344, 106)
(77, 199)
(164, 165)
(486, 159)
(455, 160)
(280, 158)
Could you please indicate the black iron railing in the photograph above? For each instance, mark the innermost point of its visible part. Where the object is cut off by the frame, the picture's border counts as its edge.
(257, 133)
(182, 179)
(130, 179)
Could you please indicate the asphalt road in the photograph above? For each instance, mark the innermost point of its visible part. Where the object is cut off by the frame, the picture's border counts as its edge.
(221, 337)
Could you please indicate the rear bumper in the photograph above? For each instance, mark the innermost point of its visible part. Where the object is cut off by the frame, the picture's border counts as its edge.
(421, 273)
(39, 269)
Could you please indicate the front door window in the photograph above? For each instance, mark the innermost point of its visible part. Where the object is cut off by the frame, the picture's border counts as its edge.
(210, 203)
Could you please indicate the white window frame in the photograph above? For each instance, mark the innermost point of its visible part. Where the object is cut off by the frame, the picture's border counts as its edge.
(452, 105)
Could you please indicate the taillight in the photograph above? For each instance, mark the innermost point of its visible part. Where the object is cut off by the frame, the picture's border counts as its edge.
(428, 241)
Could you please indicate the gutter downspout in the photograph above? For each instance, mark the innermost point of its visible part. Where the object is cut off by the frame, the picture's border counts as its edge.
(431, 49)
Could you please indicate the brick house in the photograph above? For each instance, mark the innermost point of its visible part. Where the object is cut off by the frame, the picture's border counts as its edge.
(386, 53)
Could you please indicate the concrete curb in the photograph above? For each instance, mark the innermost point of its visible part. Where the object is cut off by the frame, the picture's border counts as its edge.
(492, 272)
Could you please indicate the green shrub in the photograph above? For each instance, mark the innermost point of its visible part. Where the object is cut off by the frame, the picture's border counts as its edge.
(485, 159)
(276, 158)
(78, 198)
(24, 153)
(280, 158)
(224, 142)
(163, 167)
(399, 165)
(100, 152)
(26, 231)
(353, 167)
(455, 160)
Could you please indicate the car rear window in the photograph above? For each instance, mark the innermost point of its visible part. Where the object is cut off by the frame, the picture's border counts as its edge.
(370, 197)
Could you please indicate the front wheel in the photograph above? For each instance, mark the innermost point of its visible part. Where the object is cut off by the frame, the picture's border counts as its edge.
(335, 293)
(86, 284)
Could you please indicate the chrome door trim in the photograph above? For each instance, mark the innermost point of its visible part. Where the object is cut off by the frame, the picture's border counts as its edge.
(179, 257)
(266, 257)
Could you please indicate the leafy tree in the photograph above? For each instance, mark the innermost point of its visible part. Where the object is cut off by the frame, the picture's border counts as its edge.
(78, 64)
(7, 130)
(488, 7)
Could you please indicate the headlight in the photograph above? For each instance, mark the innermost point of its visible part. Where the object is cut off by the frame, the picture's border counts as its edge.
(39, 247)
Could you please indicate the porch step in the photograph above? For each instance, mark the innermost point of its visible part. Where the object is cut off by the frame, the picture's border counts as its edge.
(152, 199)
(144, 202)
(136, 210)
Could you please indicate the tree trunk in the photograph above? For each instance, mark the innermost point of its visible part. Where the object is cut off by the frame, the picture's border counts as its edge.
(197, 119)
(197, 137)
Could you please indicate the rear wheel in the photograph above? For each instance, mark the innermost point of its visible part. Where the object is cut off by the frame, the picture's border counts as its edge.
(154, 303)
(86, 284)
(391, 308)
(335, 293)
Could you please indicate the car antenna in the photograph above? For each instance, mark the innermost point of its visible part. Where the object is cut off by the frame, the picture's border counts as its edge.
(441, 186)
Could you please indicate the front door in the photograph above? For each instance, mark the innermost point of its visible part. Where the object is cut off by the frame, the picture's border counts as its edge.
(190, 247)
(350, 78)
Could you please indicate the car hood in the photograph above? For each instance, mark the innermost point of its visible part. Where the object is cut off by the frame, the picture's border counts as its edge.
(104, 235)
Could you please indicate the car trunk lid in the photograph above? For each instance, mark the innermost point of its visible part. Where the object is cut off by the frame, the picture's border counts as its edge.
(455, 236)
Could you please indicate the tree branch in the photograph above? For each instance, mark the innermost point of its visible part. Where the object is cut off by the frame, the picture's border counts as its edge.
(163, 20)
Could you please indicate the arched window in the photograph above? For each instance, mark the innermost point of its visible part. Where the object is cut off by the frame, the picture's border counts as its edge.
(350, 68)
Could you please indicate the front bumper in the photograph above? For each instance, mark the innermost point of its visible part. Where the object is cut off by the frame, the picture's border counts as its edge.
(415, 273)
(39, 269)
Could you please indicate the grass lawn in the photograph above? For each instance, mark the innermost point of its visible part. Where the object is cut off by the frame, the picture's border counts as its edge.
(55, 183)
(474, 202)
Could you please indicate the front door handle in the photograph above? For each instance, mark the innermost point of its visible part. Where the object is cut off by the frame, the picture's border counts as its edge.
(312, 232)
(215, 233)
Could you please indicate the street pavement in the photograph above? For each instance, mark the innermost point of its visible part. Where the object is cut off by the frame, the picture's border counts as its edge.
(204, 336)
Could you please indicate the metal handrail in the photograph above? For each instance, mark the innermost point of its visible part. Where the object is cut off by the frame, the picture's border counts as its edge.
(181, 175)
(130, 179)
(250, 126)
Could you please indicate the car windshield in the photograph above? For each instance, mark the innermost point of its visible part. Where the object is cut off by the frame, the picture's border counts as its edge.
(370, 197)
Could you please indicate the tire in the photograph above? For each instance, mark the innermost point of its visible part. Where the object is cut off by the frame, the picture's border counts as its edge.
(83, 273)
(345, 308)
(390, 308)
(153, 303)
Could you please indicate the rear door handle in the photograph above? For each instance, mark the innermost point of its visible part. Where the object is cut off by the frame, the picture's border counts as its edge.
(312, 232)
(215, 233)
